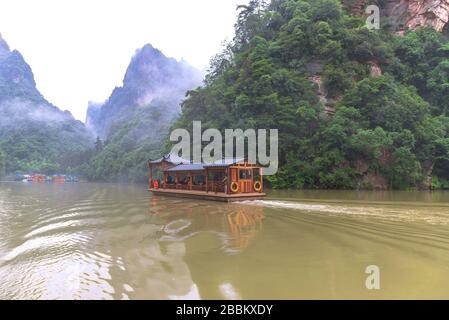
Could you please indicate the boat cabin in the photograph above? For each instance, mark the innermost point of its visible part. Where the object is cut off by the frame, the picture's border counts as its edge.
(225, 180)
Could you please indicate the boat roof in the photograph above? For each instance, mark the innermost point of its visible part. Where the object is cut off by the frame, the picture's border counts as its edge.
(226, 162)
(203, 166)
(171, 158)
(187, 167)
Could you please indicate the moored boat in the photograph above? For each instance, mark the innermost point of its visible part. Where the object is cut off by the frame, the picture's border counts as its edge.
(58, 179)
(38, 178)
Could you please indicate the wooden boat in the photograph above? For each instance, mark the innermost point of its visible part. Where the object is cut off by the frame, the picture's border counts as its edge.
(227, 180)
(38, 178)
(59, 179)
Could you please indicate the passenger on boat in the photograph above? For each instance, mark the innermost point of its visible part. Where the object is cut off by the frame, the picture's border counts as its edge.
(170, 180)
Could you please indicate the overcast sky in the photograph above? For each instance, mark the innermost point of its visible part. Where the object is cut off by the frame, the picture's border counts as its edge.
(79, 50)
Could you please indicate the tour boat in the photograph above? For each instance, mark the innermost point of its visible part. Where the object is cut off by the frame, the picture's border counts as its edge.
(38, 178)
(58, 179)
(227, 180)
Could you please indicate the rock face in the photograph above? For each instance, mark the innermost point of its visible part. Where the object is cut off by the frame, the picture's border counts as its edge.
(407, 14)
(412, 14)
(16, 77)
(151, 78)
(375, 69)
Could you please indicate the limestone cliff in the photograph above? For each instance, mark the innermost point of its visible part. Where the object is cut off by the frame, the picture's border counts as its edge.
(407, 14)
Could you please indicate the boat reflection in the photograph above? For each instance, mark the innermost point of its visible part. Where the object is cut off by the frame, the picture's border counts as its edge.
(236, 225)
(243, 224)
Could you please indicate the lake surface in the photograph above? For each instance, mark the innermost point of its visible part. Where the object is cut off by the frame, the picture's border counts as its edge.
(106, 241)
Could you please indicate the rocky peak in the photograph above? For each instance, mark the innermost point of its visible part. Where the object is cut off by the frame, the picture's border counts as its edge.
(16, 76)
(151, 73)
(151, 78)
(4, 48)
(145, 65)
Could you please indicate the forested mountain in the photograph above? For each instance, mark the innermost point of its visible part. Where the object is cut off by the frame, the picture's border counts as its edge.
(133, 123)
(355, 108)
(34, 134)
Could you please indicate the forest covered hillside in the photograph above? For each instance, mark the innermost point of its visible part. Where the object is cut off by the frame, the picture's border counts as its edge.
(355, 108)
(35, 136)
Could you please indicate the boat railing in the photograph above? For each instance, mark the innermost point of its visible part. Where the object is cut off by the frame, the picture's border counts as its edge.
(216, 186)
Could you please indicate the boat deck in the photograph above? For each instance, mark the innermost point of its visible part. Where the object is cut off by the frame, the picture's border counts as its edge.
(215, 196)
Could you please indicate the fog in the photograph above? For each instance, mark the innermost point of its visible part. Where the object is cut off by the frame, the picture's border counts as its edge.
(15, 111)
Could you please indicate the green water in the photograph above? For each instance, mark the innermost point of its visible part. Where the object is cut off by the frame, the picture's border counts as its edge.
(106, 241)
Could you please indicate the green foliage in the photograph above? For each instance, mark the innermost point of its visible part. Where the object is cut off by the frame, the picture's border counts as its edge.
(392, 127)
(386, 104)
(421, 60)
(43, 147)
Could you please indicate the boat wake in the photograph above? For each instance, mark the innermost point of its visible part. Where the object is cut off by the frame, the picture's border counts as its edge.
(437, 215)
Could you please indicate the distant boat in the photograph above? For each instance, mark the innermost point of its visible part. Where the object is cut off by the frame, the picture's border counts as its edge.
(38, 178)
(59, 179)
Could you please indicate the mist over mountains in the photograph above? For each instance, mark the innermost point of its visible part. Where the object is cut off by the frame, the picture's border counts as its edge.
(134, 122)
(151, 80)
(35, 136)
(131, 125)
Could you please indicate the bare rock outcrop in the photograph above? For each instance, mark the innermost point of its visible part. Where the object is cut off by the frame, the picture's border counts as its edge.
(375, 69)
(406, 14)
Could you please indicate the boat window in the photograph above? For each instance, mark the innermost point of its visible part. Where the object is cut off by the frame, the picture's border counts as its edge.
(256, 174)
(199, 180)
(245, 174)
(184, 179)
(216, 176)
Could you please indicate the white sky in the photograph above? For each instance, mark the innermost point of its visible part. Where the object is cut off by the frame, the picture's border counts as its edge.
(79, 49)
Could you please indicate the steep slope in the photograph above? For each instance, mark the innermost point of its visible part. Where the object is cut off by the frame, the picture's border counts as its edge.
(355, 108)
(135, 120)
(34, 135)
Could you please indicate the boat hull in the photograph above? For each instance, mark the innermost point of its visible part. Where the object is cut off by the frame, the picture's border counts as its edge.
(212, 196)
